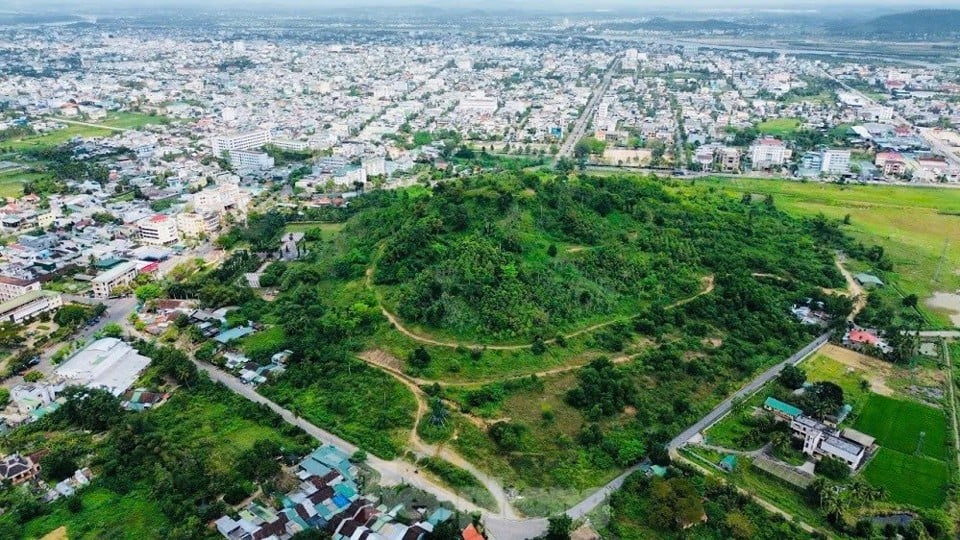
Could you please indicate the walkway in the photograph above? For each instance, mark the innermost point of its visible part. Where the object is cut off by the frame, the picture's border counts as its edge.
(88, 124)
(708, 287)
(396, 472)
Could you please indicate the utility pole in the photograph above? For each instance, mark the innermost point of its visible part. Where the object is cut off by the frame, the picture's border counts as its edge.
(943, 256)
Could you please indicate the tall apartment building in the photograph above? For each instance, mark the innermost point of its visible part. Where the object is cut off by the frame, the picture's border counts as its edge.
(768, 152)
(250, 160)
(158, 230)
(193, 225)
(240, 141)
(11, 287)
(835, 162)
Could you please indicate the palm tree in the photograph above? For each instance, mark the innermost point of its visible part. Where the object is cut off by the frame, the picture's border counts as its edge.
(438, 412)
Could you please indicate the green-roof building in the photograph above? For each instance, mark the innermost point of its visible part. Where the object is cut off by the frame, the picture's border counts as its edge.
(781, 409)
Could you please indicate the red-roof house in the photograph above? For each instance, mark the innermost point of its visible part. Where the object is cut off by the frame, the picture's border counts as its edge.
(471, 533)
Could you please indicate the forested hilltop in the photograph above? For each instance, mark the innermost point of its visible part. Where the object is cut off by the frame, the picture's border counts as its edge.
(549, 329)
(516, 256)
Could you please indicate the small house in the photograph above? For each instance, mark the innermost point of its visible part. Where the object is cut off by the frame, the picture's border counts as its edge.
(868, 281)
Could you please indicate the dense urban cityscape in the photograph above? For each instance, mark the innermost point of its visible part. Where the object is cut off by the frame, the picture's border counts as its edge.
(465, 273)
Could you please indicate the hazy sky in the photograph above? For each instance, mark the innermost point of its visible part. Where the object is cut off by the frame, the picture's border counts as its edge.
(565, 5)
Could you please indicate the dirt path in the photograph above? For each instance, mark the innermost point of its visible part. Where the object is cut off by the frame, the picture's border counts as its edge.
(708, 286)
(770, 507)
(88, 124)
(945, 347)
(505, 509)
(390, 363)
(854, 290)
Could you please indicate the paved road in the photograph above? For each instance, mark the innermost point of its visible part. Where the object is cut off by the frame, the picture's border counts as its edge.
(726, 405)
(946, 334)
(580, 127)
(391, 472)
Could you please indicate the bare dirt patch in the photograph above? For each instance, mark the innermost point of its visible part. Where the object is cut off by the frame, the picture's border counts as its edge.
(383, 359)
(877, 372)
(883, 376)
(948, 302)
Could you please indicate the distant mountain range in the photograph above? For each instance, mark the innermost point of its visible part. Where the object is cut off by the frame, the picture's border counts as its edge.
(919, 24)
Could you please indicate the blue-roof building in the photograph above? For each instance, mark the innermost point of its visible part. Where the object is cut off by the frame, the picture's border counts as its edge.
(233, 334)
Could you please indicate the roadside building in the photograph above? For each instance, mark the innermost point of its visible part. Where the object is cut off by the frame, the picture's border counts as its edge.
(29, 305)
(768, 153)
(819, 440)
(781, 410)
(118, 276)
(107, 363)
(835, 162)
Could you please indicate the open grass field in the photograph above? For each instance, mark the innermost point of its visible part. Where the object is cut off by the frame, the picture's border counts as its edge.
(328, 229)
(11, 183)
(56, 138)
(909, 479)
(779, 127)
(897, 425)
(912, 224)
(131, 120)
(105, 514)
(824, 368)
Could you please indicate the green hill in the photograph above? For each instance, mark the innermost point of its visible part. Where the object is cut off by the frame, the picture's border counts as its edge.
(508, 258)
(912, 25)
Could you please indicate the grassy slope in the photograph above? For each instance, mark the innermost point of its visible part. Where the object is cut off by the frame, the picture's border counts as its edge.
(911, 224)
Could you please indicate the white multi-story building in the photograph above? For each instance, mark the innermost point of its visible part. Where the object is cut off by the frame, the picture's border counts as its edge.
(240, 141)
(478, 104)
(29, 305)
(768, 152)
(293, 146)
(193, 225)
(819, 439)
(11, 287)
(225, 196)
(158, 230)
(250, 160)
(835, 162)
(118, 276)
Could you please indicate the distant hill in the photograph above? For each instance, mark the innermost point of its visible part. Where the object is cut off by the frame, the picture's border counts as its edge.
(674, 25)
(912, 25)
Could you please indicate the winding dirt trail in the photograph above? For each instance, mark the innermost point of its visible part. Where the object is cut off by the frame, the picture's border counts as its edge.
(387, 362)
(418, 445)
(708, 283)
(854, 290)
